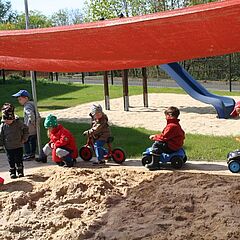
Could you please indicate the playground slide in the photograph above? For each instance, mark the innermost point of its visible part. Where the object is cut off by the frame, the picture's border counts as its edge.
(199, 31)
(223, 105)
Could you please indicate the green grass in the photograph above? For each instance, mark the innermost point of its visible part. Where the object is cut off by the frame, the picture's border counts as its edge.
(62, 95)
(135, 140)
(57, 95)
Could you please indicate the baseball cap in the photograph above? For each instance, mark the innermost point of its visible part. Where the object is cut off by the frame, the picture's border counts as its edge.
(22, 93)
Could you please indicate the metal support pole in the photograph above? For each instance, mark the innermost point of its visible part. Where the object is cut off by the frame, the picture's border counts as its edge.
(56, 74)
(145, 89)
(125, 89)
(33, 83)
(112, 77)
(230, 72)
(34, 94)
(106, 91)
(3, 76)
(51, 76)
(35, 76)
(83, 78)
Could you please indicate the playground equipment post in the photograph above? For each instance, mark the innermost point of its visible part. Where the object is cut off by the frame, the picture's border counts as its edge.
(33, 83)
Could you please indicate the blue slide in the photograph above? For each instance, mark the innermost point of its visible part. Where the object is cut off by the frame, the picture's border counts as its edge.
(223, 105)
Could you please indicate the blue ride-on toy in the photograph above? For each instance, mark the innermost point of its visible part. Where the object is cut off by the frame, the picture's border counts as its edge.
(176, 159)
(234, 161)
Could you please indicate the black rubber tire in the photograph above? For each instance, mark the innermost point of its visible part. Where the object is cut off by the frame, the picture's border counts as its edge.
(185, 159)
(146, 160)
(118, 155)
(177, 162)
(234, 166)
(85, 153)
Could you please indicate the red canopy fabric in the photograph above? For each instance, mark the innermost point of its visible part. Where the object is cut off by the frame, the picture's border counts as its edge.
(200, 31)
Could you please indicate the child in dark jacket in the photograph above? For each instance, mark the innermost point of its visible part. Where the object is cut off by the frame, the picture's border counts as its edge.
(13, 134)
(100, 132)
(170, 140)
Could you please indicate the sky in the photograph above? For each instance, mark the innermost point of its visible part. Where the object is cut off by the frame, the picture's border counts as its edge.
(47, 6)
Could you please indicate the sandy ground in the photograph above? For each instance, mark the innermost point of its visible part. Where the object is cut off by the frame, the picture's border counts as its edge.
(196, 117)
(200, 201)
(121, 202)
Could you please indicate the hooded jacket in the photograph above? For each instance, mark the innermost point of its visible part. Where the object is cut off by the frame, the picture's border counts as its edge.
(172, 134)
(63, 138)
(100, 129)
(30, 117)
(14, 135)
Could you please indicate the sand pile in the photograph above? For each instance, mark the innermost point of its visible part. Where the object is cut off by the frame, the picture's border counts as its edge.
(118, 203)
(196, 117)
(177, 206)
(61, 203)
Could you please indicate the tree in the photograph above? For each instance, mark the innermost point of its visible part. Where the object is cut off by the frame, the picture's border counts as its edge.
(67, 17)
(36, 20)
(6, 12)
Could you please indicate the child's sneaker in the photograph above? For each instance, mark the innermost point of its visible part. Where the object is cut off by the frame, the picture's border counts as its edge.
(100, 162)
(13, 173)
(42, 158)
(29, 157)
(61, 164)
(154, 165)
(20, 171)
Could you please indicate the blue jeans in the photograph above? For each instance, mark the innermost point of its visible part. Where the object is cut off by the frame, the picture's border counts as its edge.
(31, 145)
(100, 151)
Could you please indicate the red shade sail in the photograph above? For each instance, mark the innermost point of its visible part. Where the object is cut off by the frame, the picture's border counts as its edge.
(200, 31)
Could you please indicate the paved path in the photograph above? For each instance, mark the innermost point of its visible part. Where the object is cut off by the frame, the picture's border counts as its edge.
(161, 83)
(219, 168)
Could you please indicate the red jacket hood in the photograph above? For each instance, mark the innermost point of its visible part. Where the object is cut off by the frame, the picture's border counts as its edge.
(172, 134)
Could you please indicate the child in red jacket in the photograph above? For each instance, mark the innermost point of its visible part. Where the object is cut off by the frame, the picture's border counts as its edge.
(62, 144)
(170, 140)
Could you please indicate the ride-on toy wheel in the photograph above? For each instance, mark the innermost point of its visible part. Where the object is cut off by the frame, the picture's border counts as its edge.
(85, 153)
(185, 159)
(234, 166)
(118, 155)
(177, 162)
(146, 160)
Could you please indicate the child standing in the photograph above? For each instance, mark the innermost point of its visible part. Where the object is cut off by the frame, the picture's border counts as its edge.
(100, 132)
(13, 134)
(170, 140)
(30, 119)
(62, 144)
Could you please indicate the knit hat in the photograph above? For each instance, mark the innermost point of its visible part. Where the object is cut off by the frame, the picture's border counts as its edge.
(8, 111)
(50, 121)
(234, 113)
(96, 109)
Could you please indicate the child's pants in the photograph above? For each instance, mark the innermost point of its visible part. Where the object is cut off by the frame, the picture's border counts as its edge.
(100, 151)
(159, 147)
(30, 145)
(15, 158)
(60, 152)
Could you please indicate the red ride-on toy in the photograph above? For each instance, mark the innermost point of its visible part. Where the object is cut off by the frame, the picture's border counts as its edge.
(116, 154)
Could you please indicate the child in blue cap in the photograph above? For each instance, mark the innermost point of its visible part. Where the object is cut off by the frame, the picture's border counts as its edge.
(31, 118)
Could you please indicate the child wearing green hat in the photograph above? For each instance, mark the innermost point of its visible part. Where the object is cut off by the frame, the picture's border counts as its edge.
(62, 144)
